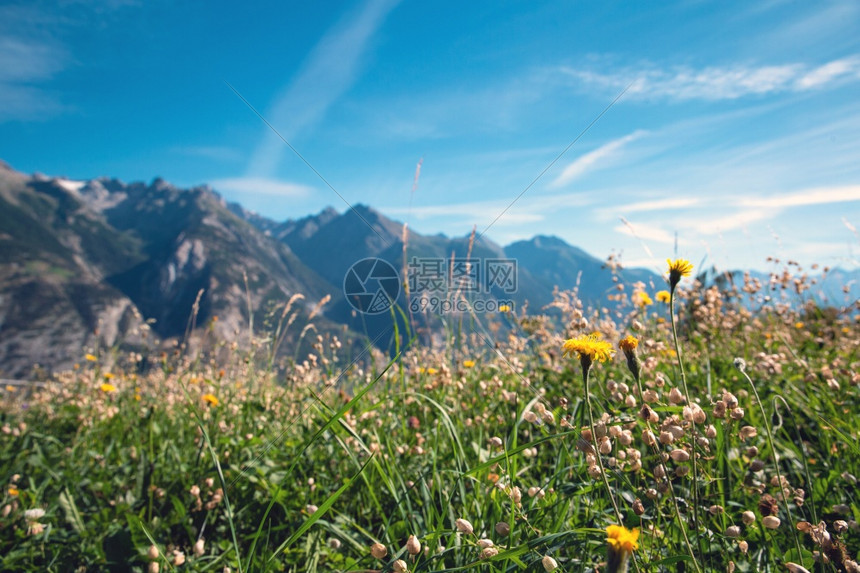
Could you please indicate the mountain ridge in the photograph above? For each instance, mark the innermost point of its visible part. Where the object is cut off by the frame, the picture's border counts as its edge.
(103, 263)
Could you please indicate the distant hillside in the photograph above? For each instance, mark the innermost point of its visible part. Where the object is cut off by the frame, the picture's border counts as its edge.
(87, 263)
(108, 264)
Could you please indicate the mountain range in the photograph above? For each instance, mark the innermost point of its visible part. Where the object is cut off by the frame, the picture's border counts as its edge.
(107, 265)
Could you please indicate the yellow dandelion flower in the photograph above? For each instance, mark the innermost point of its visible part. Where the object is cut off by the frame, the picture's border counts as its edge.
(504, 308)
(13, 491)
(10, 388)
(432, 371)
(677, 269)
(468, 363)
(621, 543)
(628, 343)
(622, 539)
(210, 399)
(107, 388)
(108, 376)
(799, 325)
(589, 346)
(663, 296)
(641, 298)
(90, 358)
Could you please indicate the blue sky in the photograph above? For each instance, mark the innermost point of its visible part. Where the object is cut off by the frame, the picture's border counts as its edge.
(738, 132)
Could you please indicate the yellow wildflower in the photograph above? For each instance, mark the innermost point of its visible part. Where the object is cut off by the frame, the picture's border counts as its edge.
(641, 298)
(210, 399)
(622, 539)
(468, 363)
(663, 296)
(108, 375)
(622, 542)
(504, 308)
(799, 325)
(589, 346)
(107, 387)
(13, 491)
(628, 343)
(677, 269)
(90, 358)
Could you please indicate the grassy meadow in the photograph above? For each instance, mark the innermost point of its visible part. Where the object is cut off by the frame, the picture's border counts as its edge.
(700, 429)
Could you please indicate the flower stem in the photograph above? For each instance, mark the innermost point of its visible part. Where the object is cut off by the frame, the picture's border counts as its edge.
(586, 364)
(692, 421)
(775, 463)
(656, 448)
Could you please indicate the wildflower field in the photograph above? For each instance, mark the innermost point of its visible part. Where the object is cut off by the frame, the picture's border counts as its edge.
(687, 428)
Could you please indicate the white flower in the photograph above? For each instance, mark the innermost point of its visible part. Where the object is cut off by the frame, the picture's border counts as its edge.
(34, 514)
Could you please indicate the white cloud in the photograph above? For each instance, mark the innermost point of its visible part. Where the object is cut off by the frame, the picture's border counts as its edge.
(707, 224)
(261, 186)
(594, 159)
(330, 70)
(645, 232)
(715, 82)
(829, 72)
(813, 196)
(24, 67)
(669, 203)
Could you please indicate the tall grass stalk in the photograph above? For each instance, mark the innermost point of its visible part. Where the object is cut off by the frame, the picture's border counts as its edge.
(633, 366)
(741, 366)
(693, 430)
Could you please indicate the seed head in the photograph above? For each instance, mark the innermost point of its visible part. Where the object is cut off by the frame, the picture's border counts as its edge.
(378, 550)
(770, 521)
(464, 526)
(549, 564)
(413, 546)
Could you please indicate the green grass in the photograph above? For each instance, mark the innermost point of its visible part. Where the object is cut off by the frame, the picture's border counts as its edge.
(305, 469)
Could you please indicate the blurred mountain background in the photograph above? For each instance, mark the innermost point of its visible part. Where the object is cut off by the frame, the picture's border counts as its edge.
(146, 268)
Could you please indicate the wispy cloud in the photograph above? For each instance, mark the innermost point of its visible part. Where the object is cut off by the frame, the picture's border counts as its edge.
(261, 186)
(670, 203)
(646, 232)
(717, 82)
(25, 66)
(815, 196)
(596, 159)
(331, 68)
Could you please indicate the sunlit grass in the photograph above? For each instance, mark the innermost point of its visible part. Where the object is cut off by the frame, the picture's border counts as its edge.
(485, 456)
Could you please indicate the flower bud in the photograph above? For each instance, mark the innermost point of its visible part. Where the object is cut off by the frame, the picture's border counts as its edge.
(464, 526)
(413, 546)
(549, 564)
(770, 521)
(733, 531)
